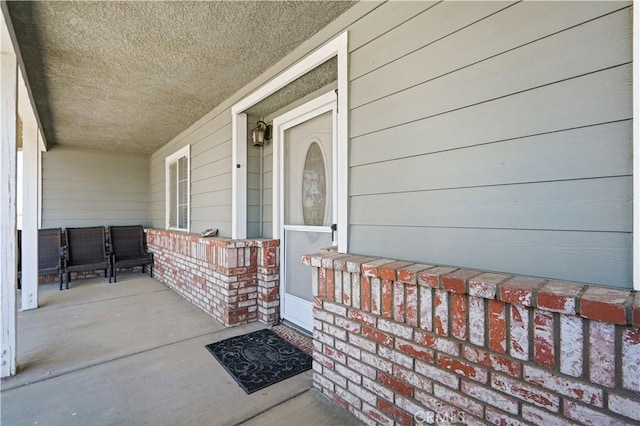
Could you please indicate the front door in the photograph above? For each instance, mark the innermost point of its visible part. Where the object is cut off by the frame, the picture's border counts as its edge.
(307, 205)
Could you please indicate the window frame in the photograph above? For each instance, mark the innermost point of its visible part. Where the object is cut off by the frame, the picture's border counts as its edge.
(184, 152)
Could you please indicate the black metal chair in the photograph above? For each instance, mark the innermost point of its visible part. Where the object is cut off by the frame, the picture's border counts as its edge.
(128, 249)
(50, 253)
(86, 250)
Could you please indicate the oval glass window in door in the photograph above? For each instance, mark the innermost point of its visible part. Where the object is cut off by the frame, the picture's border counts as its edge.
(314, 187)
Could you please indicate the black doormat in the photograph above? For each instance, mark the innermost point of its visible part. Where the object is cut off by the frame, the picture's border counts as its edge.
(259, 359)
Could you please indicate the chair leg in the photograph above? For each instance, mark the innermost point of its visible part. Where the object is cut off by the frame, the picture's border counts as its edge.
(114, 272)
(151, 270)
(108, 274)
(60, 278)
(68, 278)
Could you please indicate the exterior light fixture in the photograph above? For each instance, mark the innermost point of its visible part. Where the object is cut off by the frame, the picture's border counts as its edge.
(261, 133)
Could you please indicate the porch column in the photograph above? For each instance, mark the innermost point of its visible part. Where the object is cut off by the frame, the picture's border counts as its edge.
(8, 110)
(30, 153)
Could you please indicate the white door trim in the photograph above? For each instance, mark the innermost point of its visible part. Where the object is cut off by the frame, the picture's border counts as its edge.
(336, 47)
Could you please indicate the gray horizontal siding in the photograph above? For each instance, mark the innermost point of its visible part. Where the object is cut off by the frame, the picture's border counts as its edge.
(496, 136)
(210, 175)
(86, 188)
(591, 257)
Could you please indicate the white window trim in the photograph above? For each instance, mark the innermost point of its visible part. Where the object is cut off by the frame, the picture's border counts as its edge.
(182, 152)
(338, 47)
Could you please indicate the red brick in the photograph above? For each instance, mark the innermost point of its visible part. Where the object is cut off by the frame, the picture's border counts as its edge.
(377, 336)
(377, 388)
(376, 294)
(635, 314)
(376, 415)
(486, 285)
(409, 274)
(372, 268)
(441, 316)
(411, 310)
(322, 283)
(497, 326)
(476, 321)
(490, 397)
(348, 325)
(441, 344)
(457, 281)
(525, 392)
(398, 302)
(437, 374)
(519, 332)
(335, 355)
(365, 293)
(588, 416)
(559, 296)
(568, 387)
(459, 316)
(543, 340)
(330, 285)
(414, 350)
(395, 385)
(497, 417)
(492, 361)
(362, 317)
(602, 353)
(541, 417)
(387, 299)
(628, 407)
(399, 330)
(431, 277)
(391, 410)
(426, 308)
(571, 345)
(520, 290)
(362, 343)
(605, 304)
(465, 369)
(458, 400)
(630, 359)
(414, 379)
(390, 270)
(339, 401)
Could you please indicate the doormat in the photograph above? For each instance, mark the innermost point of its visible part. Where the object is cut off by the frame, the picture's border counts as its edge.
(259, 359)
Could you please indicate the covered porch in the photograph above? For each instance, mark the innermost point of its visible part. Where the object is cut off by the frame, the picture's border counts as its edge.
(133, 352)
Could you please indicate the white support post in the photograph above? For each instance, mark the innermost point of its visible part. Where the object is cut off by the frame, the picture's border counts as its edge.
(8, 150)
(30, 150)
(636, 145)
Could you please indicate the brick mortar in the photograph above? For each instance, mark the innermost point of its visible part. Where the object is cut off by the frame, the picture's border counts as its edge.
(373, 267)
(411, 364)
(234, 281)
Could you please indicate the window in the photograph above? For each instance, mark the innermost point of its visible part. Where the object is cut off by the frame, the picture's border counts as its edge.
(177, 189)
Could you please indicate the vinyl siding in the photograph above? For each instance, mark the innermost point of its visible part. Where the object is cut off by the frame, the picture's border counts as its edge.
(489, 135)
(87, 188)
(498, 137)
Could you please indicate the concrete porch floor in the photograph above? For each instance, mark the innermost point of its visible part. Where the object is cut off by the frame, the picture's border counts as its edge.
(132, 353)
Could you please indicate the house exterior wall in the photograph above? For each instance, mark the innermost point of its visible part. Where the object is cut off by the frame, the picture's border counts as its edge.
(486, 135)
(421, 344)
(87, 188)
(506, 128)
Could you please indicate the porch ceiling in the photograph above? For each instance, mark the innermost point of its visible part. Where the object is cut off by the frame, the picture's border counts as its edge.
(129, 76)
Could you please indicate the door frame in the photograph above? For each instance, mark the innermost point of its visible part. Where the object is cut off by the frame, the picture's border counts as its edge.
(312, 109)
(338, 47)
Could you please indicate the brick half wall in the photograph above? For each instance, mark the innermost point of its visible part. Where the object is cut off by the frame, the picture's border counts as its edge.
(404, 343)
(234, 281)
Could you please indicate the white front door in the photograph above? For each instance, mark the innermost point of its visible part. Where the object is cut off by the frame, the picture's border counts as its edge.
(307, 202)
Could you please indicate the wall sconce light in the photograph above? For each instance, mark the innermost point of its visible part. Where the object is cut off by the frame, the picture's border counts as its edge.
(261, 133)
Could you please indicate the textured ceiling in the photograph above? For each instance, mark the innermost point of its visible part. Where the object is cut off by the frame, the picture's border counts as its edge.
(129, 76)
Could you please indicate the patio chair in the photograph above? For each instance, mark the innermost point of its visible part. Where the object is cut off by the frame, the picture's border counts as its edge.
(86, 250)
(50, 253)
(128, 249)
